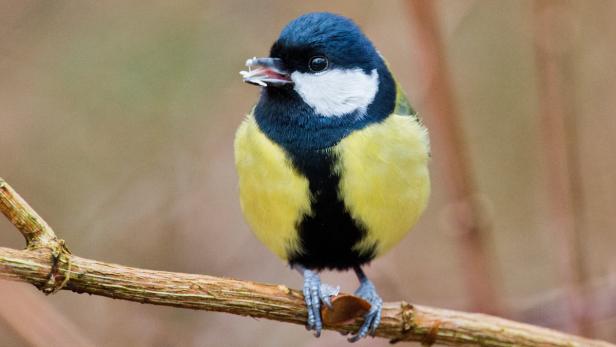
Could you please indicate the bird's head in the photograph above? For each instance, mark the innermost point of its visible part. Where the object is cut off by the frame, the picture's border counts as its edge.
(324, 59)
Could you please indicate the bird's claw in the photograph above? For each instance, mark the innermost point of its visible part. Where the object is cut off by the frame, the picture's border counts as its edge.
(372, 319)
(327, 292)
(316, 292)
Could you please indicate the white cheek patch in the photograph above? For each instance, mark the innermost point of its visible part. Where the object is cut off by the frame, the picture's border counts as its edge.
(337, 92)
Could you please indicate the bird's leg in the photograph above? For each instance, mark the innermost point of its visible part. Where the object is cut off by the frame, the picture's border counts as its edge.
(367, 291)
(315, 292)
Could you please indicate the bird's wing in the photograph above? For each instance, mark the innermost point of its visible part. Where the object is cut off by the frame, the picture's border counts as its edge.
(403, 106)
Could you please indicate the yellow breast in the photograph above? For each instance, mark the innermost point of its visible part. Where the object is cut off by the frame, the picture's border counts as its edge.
(384, 183)
(273, 195)
(384, 178)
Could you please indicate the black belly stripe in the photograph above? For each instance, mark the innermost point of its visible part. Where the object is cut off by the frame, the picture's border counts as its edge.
(328, 235)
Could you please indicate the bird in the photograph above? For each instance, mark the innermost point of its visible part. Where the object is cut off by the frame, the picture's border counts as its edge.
(332, 160)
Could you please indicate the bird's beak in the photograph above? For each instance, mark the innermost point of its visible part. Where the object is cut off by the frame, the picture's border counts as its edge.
(266, 72)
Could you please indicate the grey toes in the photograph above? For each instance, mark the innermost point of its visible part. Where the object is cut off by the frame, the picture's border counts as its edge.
(316, 292)
(372, 319)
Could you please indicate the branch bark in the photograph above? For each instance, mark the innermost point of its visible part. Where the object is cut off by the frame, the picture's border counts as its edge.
(47, 264)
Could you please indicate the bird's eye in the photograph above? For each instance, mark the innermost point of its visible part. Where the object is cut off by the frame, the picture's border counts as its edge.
(318, 63)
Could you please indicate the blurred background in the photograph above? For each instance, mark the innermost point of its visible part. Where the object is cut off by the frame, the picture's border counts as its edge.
(117, 121)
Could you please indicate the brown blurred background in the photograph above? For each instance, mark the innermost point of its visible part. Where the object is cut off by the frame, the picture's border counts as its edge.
(117, 121)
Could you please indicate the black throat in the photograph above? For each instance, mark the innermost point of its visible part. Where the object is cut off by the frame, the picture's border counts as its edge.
(328, 235)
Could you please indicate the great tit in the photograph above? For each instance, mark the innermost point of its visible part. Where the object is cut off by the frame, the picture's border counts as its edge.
(332, 161)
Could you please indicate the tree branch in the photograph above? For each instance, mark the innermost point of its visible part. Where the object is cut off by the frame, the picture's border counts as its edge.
(47, 264)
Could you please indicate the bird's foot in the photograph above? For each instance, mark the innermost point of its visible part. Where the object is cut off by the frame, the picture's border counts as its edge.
(316, 292)
(372, 319)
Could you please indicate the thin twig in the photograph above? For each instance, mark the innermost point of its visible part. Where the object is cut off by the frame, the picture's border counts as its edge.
(468, 217)
(401, 321)
(33, 228)
(553, 48)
